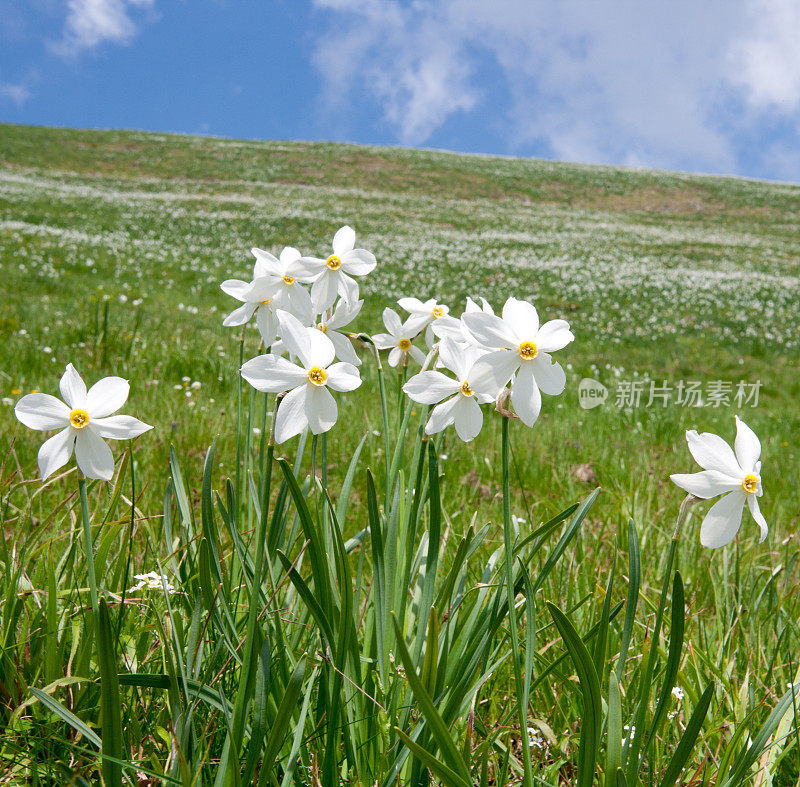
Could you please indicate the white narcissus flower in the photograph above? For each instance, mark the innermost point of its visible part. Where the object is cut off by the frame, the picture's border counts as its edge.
(285, 273)
(454, 328)
(474, 307)
(460, 398)
(256, 297)
(84, 420)
(522, 351)
(399, 339)
(342, 315)
(734, 473)
(334, 274)
(424, 315)
(308, 402)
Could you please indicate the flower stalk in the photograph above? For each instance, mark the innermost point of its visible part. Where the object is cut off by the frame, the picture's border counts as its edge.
(87, 541)
(508, 543)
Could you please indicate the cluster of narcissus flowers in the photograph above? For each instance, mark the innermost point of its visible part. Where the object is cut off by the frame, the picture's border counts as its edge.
(305, 325)
(277, 286)
(301, 303)
(486, 353)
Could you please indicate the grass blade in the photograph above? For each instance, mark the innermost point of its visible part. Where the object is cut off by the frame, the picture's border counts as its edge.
(673, 659)
(688, 739)
(634, 582)
(448, 776)
(284, 716)
(748, 756)
(109, 700)
(70, 718)
(435, 722)
(590, 691)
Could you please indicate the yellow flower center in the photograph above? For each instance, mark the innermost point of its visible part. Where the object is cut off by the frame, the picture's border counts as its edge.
(317, 376)
(404, 344)
(528, 351)
(466, 390)
(264, 303)
(750, 483)
(79, 419)
(322, 327)
(333, 262)
(438, 311)
(288, 279)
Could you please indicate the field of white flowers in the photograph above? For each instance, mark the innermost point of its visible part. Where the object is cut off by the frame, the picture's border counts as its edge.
(339, 535)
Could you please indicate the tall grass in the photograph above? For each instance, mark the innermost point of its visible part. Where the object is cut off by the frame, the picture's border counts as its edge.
(329, 634)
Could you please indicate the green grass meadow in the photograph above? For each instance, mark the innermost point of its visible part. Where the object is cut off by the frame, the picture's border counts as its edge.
(112, 249)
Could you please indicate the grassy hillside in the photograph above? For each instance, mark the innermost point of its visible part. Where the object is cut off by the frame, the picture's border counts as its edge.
(678, 277)
(113, 245)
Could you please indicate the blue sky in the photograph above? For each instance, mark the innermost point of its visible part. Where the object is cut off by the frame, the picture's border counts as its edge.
(705, 87)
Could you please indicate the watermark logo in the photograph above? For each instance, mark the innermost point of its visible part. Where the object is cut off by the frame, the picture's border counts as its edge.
(591, 393)
(645, 392)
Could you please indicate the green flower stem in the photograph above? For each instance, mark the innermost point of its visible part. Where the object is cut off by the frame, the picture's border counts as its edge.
(87, 541)
(126, 575)
(384, 405)
(508, 535)
(239, 429)
(636, 755)
(398, 449)
(261, 533)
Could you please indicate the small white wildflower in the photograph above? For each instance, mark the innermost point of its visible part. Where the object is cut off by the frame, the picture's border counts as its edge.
(152, 580)
(631, 733)
(677, 692)
(536, 740)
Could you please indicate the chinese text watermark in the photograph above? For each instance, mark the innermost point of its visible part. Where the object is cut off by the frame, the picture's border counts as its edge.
(682, 393)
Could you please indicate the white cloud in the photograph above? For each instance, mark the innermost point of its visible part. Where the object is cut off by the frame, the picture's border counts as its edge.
(666, 84)
(19, 94)
(405, 60)
(93, 22)
(770, 55)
